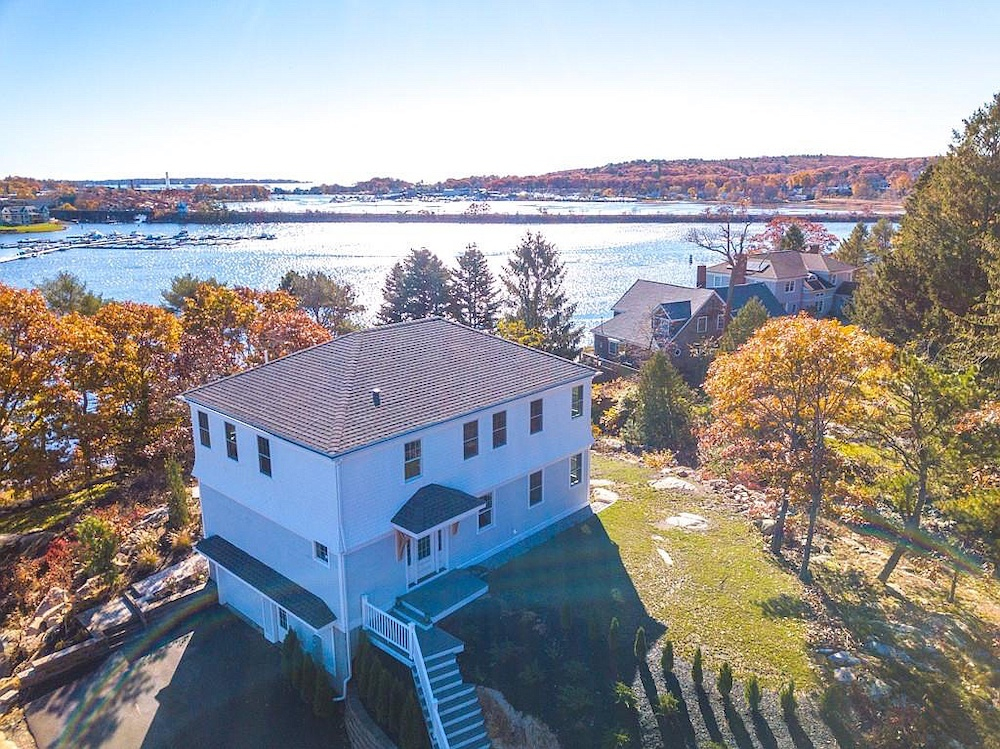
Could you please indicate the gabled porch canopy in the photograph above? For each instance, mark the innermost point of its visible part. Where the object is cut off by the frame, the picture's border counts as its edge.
(434, 506)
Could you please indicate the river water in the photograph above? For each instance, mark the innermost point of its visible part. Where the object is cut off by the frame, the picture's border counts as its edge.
(602, 260)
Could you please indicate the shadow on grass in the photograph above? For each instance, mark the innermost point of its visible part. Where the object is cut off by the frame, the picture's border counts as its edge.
(740, 734)
(764, 733)
(798, 734)
(786, 606)
(541, 635)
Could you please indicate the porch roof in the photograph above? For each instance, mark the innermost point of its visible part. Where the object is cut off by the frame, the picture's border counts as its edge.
(287, 594)
(434, 505)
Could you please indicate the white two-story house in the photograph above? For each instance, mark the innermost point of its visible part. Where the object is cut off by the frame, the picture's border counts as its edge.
(377, 464)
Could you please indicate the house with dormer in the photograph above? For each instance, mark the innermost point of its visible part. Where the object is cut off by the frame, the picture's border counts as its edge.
(653, 316)
(349, 487)
(810, 281)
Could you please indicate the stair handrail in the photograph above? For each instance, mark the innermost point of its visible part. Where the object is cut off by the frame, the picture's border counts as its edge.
(386, 626)
(425, 684)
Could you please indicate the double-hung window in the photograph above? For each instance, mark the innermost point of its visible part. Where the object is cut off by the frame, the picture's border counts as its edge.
(535, 489)
(231, 450)
(486, 514)
(536, 416)
(499, 429)
(321, 552)
(411, 460)
(576, 409)
(264, 455)
(576, 469)
(789, 286)
(702, 324)
(203, 434)
(470, 439)
(720, 322)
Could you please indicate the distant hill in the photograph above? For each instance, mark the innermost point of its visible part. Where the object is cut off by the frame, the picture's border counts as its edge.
(759, 179)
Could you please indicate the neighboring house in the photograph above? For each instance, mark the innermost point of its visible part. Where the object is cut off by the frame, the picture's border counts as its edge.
(22, 215)
(654, 316)
(798, 280)
(347, 485)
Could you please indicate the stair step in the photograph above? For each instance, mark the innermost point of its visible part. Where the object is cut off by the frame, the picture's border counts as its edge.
(444, 679)
(456, 690)
(456, 705)
(473, 742)
(466, 723)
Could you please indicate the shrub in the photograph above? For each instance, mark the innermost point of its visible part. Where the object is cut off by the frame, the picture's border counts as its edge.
(322, 702)
(288, 654)
(617, 738)
(751, 690)
(725, 680)
(667, 658)
(178, 512)
(669, 706)
(98, 543)
(639, 646)
(147, 561)
(613, 637)
(625, 696)
(181, 542)
(786, 698)
(697, 672)
(308, 681)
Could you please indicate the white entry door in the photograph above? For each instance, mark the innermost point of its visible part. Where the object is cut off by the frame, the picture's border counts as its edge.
(426, 555)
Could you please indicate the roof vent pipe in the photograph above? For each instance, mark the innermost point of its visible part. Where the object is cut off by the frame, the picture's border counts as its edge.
(376, 397)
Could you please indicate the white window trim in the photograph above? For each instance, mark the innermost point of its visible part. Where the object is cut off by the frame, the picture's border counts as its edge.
(572, 398)
(419, 460)
(579, 478)
(701, 324)
(317, 557)
(541, 501)
(492, 510)
(493, 431)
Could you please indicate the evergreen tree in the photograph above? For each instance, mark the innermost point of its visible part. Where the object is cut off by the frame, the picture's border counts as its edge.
(725, 680)
(415, 288)
(322, 702)
(854, 249)
(663, 414)
(178, 512)
(751, 690)
(936, 269)
(751, 316)
(307, 684)
(667, 657)
(474, 300)
(793, 239)
(183, 288)
(66, 293)
(329, 302)
(533, 279)
(697, 670)
(639, 646)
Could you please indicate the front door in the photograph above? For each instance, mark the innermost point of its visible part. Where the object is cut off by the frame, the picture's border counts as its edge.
(426, 555)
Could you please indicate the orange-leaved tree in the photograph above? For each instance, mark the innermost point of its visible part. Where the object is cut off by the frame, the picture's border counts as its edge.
(786, 388)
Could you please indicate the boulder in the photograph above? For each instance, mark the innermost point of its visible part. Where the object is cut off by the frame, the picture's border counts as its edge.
(767, 526)
(688, 521)
(672, 483)
(843, 658)
(155, 517)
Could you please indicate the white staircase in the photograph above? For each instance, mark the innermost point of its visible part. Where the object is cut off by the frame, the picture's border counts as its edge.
(450, 706)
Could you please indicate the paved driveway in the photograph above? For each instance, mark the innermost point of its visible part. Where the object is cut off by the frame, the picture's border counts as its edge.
(211, 681)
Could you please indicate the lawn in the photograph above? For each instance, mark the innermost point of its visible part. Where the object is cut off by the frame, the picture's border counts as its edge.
(33, 228)
(49, 514)
(723, 592)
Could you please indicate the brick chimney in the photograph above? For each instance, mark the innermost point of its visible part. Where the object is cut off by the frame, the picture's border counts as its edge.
(702, 277)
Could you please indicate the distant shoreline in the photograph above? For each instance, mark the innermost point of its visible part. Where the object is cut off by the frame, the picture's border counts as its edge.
(278, 217)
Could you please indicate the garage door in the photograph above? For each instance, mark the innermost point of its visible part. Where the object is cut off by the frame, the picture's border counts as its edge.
(238, 595)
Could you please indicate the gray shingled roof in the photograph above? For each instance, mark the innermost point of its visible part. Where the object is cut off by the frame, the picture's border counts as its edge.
(633, 312)
(290, 596)
(743, 293)
(428, 371)
(786, 264)
(433, 505)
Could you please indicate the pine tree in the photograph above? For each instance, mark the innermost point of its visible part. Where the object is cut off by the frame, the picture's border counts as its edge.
(854, 249)
(178, 513)
(328, 301)
(751, 316)
(533, 279)
(664, 411)
(639, 646)
(322, 702)
(308, 682)
(667, 657)
(473, 292)
(725, 680)
(697, 670)
(415, 289)
(751, 690)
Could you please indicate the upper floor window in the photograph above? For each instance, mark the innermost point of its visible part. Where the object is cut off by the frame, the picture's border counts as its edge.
(499, 429)
(612, 348)
(486, 514)
(470, 439)
(702, 324)
(789, 286)
(264, 455)
(411, 460)
(282, 618)
(576, 469)
(576, 409)
(536, 416)
(321, 553)
(535, 488)
(231, 450)
(203, 434)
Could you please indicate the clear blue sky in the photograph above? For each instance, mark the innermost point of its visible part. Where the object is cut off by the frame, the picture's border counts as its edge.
(340, 91)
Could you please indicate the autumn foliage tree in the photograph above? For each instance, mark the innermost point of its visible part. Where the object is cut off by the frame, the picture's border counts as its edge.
(788, 386)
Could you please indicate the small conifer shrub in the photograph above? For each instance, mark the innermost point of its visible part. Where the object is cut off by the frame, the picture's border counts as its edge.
(751, 690)
(786, 698)
(725, 680)
(697, 672)
(667, 658)
(639, 646)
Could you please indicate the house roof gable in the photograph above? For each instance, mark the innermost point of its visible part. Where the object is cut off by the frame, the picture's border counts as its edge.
(634, 310)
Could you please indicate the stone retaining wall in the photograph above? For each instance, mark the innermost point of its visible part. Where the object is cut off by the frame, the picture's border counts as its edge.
(51, 666)
(361, 729)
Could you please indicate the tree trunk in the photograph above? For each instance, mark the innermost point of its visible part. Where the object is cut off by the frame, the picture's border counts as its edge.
(778, 539)
(738, 275)
(954, 584)
(817, 497)
(910, 526)
(891, 563)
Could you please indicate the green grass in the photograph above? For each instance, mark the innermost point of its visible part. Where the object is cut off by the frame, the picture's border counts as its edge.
(723, 593)
(32, 228)
(45, 516)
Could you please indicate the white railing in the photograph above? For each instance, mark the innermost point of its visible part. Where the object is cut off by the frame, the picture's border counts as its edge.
(425, 684)
(386, 626)
(404, 636)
